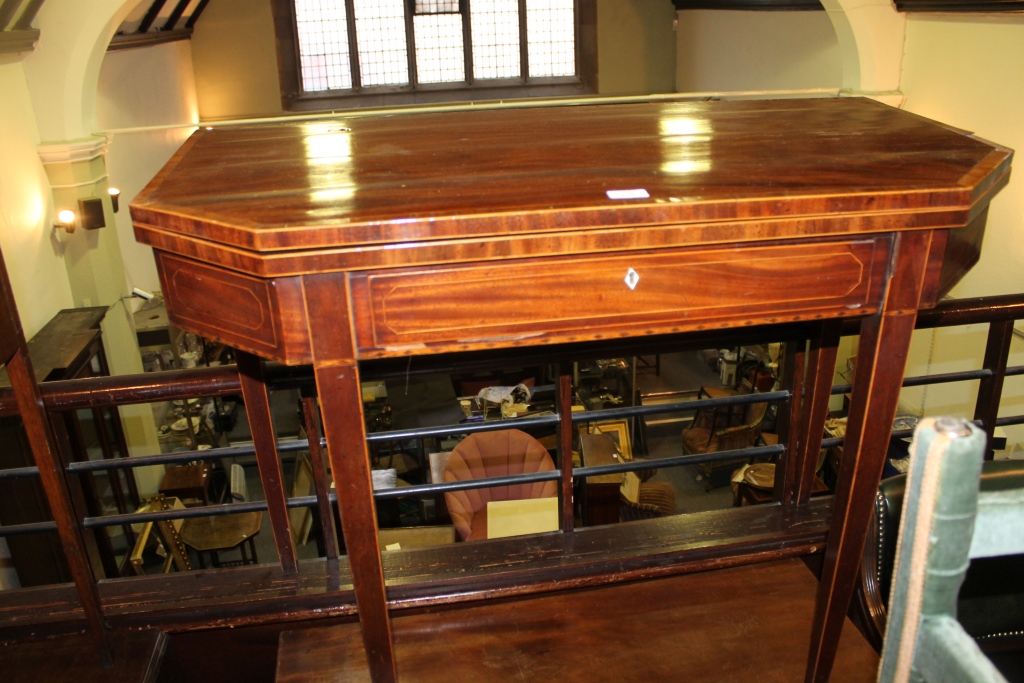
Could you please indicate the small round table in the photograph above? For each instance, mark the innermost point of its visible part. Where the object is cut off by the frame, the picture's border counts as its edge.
(214, 534)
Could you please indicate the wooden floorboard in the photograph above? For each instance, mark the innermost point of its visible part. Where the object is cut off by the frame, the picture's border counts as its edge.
(748, 623)
(138, 656)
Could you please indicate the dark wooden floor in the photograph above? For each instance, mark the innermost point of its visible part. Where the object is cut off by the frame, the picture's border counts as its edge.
(138, 656)
(741, 624)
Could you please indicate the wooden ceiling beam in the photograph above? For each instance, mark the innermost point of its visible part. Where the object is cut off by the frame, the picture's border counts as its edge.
(28, 14)
(8, 8)
(196, 12)
(127, 41)
(179, 9)
(151, 15)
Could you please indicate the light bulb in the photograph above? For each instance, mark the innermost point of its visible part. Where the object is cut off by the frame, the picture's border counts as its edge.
(66, 217)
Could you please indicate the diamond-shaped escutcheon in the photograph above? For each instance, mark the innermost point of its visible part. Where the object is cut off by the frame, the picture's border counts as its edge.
(632, 277)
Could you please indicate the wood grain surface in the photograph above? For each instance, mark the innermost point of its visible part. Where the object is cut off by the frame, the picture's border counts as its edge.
(73, 659)
(454, 175)
(736, 625)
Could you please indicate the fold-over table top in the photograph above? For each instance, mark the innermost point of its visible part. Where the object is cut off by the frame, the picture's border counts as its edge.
(252, 195)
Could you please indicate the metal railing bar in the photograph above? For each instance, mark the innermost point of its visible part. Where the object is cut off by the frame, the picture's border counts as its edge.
(181, 457)
(162, 515)
(466, 428)
(187, 513)
(939, 378)
(30, 528)
(700, 404)
(19, 472)
(585, 416)
(679, 460)
(1009, 420)
(551, 475)
(834, 441)
(945, 377)
(1014, 371)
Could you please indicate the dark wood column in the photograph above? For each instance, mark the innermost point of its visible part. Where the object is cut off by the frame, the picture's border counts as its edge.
(337, 382)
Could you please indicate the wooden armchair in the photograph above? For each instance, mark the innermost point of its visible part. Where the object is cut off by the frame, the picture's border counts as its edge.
(656, 499)
(707, 434)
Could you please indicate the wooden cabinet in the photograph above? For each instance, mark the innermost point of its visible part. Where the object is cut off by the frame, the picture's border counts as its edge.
(68, 346)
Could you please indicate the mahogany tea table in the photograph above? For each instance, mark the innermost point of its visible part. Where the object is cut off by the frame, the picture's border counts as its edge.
(344, 240)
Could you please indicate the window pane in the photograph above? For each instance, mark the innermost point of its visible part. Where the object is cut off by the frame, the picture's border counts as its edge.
(323, 44)
(551, 37)
(495, 25)
(380, 34)
(439, 55)
(436, 6)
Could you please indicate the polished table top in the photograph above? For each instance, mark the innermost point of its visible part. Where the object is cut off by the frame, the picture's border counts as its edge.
(353, 188)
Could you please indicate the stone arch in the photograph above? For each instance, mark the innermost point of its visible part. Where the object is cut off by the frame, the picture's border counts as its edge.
(63, 71)
(870, 35)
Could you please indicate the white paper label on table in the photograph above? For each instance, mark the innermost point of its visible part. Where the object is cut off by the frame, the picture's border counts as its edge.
(638, 193)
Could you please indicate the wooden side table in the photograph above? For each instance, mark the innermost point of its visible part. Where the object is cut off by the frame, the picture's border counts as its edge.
(188, 483)
(214, 534)
(602, 222)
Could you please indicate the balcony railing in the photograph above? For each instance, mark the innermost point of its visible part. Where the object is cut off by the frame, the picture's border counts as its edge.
(322, 587)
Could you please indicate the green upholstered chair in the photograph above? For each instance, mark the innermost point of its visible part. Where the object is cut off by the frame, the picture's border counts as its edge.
(945, 524)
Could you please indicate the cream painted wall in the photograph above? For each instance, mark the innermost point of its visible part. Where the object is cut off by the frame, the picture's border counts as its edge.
(32, 251)
(969, 72)
(235, 55)
(636, 47)
(143, 87)
(149, 86)
(732, 50)
(966, 71)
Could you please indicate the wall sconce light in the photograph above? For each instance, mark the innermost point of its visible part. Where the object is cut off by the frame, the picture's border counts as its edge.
(66, 220)
(115, 195)
(91, 211)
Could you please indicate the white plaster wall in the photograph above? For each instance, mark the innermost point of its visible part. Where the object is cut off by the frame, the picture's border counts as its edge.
(150, 86)
(31, 250)
(735, 50)
(967, 71)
